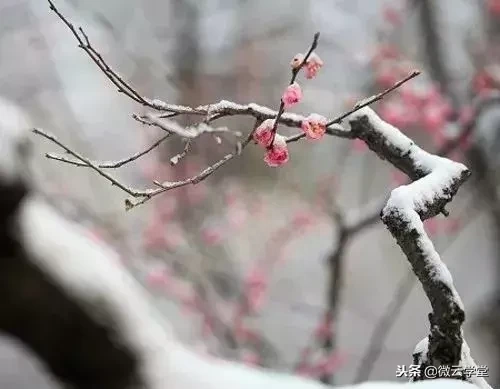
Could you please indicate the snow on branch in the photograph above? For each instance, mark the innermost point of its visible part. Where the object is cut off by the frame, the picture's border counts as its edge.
(70, 299)
(436, 181)
(106, 332)
(191, 132)
(466, 362)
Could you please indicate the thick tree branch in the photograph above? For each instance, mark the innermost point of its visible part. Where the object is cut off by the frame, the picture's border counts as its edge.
(436, 182)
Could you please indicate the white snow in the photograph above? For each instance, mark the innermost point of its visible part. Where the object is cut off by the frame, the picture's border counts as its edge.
(465, 362)
(408, 199)
(90, 271)
(393, 135)
(190, 132)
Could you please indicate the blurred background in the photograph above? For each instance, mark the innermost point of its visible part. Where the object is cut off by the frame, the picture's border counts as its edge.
(254, 263)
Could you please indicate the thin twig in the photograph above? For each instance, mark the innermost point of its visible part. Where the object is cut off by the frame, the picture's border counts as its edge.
(374, 98)
(210, 111)
(108, 164)
(295, 72)
(176, 158)
(257, 111)
(86, 46)
(90, 164)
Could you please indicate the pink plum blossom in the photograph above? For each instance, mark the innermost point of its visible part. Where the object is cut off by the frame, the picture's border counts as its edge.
(263, 135)
(314, 126)
(292, 95)
(277, 154)
(313, 65)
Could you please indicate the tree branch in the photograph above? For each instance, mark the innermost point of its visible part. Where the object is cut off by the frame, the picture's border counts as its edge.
(436, 182)
(211, 112)
(107, 164)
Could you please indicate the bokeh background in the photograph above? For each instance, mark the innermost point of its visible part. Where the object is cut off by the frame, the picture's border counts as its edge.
(250, 231)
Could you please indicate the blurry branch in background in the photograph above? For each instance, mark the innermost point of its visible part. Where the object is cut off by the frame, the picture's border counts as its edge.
(433, 45)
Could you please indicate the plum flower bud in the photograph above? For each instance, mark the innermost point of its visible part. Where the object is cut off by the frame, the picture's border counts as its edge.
(277, 154)
(263, 135)
(313, 64)
(297, 60)
(292, 95)
(314, 126)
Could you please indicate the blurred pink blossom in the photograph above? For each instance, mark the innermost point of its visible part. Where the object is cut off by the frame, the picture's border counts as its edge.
(313, 65)
(250, 358)
(398, 178)
(359, 146)
(256, 285)
(434, 119)
(392, 16)
(494, 7)
(432, 226)
(158, 277)
(212, 236)
(386, 76)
